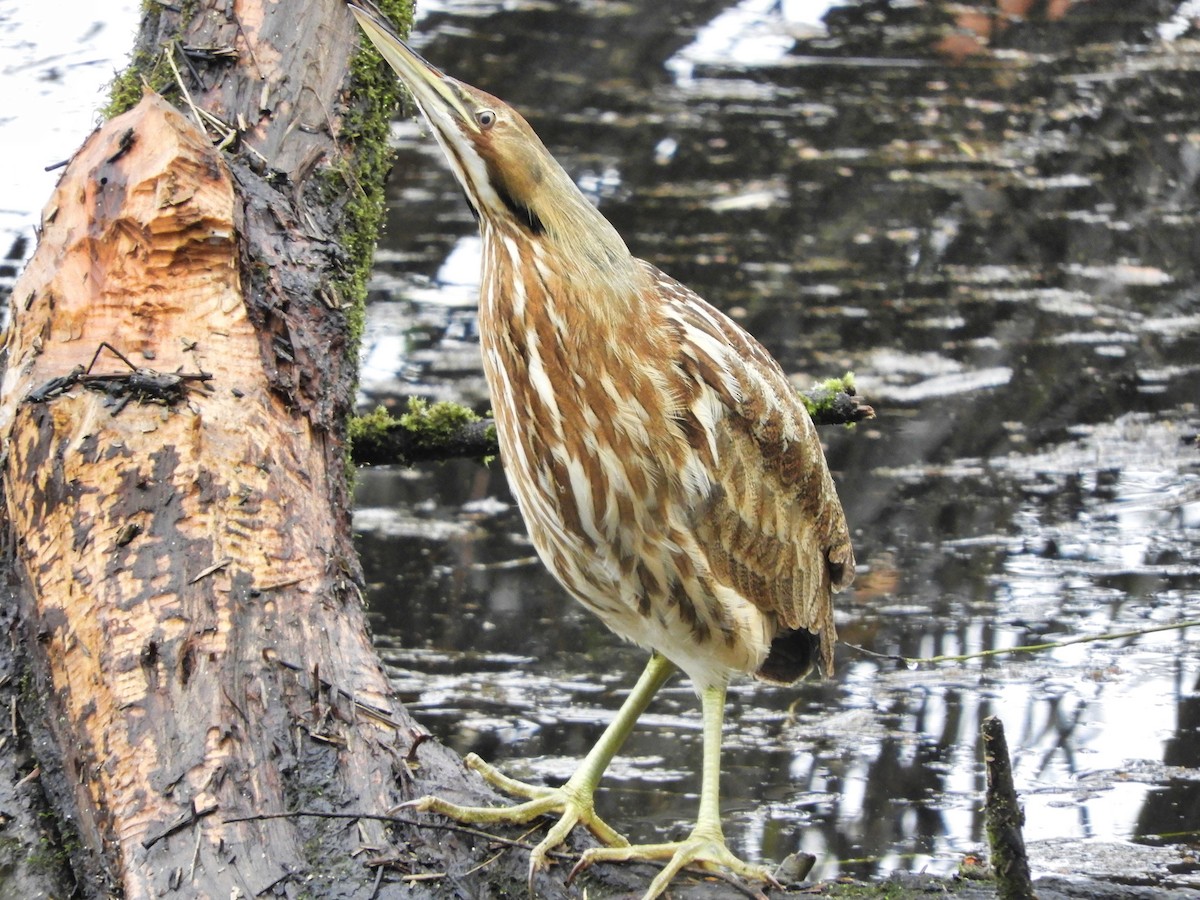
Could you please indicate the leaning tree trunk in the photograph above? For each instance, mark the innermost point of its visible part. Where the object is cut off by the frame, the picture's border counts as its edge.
(189, 662)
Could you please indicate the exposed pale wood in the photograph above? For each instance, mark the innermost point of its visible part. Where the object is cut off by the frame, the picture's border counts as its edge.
(155, 649)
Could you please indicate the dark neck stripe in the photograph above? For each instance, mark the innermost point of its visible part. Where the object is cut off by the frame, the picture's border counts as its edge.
(523, 214)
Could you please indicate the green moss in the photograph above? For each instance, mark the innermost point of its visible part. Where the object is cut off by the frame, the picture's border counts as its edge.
(823, 394)
(435, 422)
(372, 426)
(843, 385)
(431, 424)
(126, 88)
(490, 434)
(361, 177)
(53, 851)
(438, 420)
(147, 68)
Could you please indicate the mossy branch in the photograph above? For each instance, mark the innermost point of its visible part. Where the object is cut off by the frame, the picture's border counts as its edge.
(835, 401)
(445, 430)
(422, 433)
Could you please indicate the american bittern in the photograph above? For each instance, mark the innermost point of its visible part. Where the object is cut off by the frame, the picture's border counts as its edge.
(668, 475)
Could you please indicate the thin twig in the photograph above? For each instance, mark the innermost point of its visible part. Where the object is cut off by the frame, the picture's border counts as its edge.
(185, 820)
(423, 876)
(732, 880)
(169, 52)
(487, 862)
(205, 119)
(1025, 648)
(400, 820)
(195, 857)
(382, 716)
(208, 570)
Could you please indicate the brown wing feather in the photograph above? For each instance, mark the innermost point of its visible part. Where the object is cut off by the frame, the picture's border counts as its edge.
(771, 526)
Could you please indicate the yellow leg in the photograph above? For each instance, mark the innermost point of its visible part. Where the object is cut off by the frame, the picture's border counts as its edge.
(574, 801)
(705, 846)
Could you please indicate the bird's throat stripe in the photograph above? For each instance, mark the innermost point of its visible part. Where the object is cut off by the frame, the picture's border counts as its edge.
(523, 214)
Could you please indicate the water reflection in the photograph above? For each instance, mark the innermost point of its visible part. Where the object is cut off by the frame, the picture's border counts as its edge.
(55, 60)
(1005, 252)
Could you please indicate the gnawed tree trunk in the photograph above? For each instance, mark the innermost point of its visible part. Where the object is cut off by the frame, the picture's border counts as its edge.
(187, 567)
(188, 637)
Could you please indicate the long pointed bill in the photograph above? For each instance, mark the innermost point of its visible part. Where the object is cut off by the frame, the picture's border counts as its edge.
(428, 84)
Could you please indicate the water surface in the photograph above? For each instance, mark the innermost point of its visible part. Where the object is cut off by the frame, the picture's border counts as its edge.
(1004, 249)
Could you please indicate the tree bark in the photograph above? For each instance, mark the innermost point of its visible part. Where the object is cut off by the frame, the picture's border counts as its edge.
(183, 566)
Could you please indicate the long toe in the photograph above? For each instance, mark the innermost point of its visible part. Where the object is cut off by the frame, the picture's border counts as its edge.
(706, 852)
(502, 782)
(573, 806)
(486, 815)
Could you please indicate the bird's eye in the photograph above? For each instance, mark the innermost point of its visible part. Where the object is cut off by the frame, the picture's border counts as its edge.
(486, 118)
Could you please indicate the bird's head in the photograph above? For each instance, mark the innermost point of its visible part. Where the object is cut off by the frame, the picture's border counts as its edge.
(509, 177)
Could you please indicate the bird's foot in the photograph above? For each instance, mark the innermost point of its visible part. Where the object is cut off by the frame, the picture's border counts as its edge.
(705, 849)
(573, 803)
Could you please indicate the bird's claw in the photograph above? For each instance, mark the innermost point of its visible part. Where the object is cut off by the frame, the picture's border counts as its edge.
(573, 804)
(706, 851)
